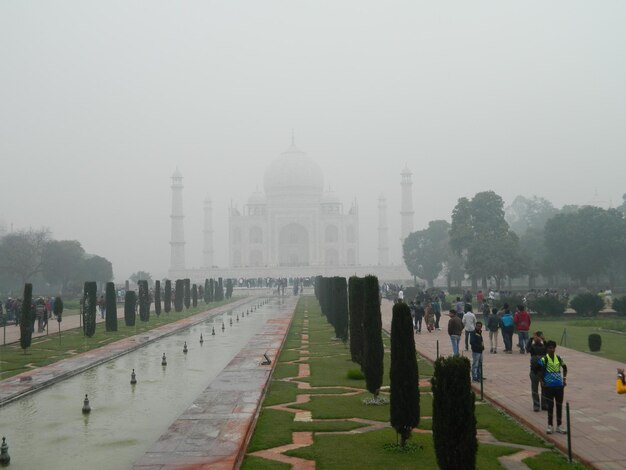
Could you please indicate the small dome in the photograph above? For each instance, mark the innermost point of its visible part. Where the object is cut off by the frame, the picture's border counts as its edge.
(293, 172)
(257, 198)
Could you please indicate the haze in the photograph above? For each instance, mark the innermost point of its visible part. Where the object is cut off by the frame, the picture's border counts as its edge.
(101, 101)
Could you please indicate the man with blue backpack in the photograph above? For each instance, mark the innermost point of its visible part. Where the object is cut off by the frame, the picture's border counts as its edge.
(507, 326)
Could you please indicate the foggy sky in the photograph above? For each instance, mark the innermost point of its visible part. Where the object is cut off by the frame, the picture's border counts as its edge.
(101, 101)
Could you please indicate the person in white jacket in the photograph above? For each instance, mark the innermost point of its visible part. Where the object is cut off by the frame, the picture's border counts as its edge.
(469, 324)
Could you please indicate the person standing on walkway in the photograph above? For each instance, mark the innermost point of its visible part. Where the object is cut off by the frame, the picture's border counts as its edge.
(493, 324)
(455, 328)
(536, 347)
(429, 318)
(460, 307)
(469, 323)
(419, 315)
(522, 325)
(506, 326)
(554, 379)
(476, 341)
(437, 309)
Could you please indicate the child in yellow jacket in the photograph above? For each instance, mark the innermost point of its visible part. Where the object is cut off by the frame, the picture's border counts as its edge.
(620, 384)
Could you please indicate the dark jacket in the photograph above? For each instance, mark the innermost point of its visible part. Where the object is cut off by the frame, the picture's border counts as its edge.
(455, 326)
(536, 351)
(476, 342)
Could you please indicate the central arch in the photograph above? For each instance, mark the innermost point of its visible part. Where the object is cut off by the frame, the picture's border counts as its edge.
(293, 246)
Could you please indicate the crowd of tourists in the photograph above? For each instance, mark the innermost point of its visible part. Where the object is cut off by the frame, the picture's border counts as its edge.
(11, 312)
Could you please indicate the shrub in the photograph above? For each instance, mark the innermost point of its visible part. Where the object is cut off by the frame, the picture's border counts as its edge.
(587, 304)
(403, 375)
(548, 305)
(167, 301)
(111, 307)
(355, 374)
(144, 301)
(89, 308)
(595, 342)
(157, 297)
(619, 305)
(373, 349)
(355, 294)
(454, 420)
(130, 302)
(340, 307)
(26, 322)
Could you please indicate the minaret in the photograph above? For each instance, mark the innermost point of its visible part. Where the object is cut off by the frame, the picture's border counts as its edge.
(383, 240)
(406, 210)
(207, 252)
(177, 240)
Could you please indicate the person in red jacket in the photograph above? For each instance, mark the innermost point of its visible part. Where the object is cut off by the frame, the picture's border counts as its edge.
(521, 319)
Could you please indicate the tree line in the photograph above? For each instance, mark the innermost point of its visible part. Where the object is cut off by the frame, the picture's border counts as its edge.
(531, 238)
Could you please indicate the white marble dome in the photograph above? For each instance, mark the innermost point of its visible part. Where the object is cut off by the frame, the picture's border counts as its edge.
(293, 172)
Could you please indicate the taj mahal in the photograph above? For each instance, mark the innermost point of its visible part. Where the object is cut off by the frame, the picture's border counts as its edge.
(293, 228)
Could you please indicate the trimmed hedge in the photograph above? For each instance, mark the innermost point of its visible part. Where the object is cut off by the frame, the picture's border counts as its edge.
(130, 302)
(111, 307)
(26, 322)
(548, 305)
(144, 301)
(157, 298)
(587, 305)
(167, 296)
(619, 305)
(373, 350)
(355, 294)
(595, 342)
(89, 308)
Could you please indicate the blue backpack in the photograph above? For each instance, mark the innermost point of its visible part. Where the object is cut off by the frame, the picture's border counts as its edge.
(507, 320)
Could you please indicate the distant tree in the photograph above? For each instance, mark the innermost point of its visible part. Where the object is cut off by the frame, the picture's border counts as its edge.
(356, 294)
(340, 307)
(144, 300)
(26, 322)
(62, 262)
(587, 304)
(403, 375)
(524, 214)
(97, 268)
(141, 276)
(454, 419)
(187, 293)
(373, 350)
(157, 298)
(179, 293)
(194, 295)
(21, 253)
(167, 304)
(425, 251)
(585, 243)
(455, 270)
(111, 307)
(89, 308)
(130, 304)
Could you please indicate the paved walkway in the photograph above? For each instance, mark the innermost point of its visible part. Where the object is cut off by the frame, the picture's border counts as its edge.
(598, 414)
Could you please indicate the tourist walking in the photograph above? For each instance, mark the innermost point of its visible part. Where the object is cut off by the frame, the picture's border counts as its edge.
(476, 341)
(469, 323)
(436, 305)
(419, 315)
(493, 324)
(429, 318)
(459, 307)
(536, 347)
(554, 379)
(522, 325)
(506, 326)
(455, 328)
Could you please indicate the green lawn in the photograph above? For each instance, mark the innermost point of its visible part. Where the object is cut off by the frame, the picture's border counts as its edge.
(330, 362)
(46, 350)
(578, 330)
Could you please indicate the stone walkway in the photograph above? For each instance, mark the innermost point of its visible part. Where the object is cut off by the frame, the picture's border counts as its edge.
(598, 414)
(305, 439)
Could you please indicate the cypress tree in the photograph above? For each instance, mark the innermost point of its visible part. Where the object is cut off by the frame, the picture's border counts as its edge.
(187, 297)
(144, 301)
(454, 420)
(200, 291)
(211, 290)
(157, 298)
(340, 308)
(26, 322)
(403, 374)
(167, 301)
(373, 349)
(58, 308)
(229, 288)
(206, 291)
(130, 302)
(194, 295)
(111, 307)
(178, 295)
(219, 294)
(89, 308)
(355, 293)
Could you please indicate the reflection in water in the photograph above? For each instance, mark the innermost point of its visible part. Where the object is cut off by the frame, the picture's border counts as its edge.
(48, 430)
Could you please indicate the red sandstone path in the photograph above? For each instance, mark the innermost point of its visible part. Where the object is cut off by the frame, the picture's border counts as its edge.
(597, 412)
